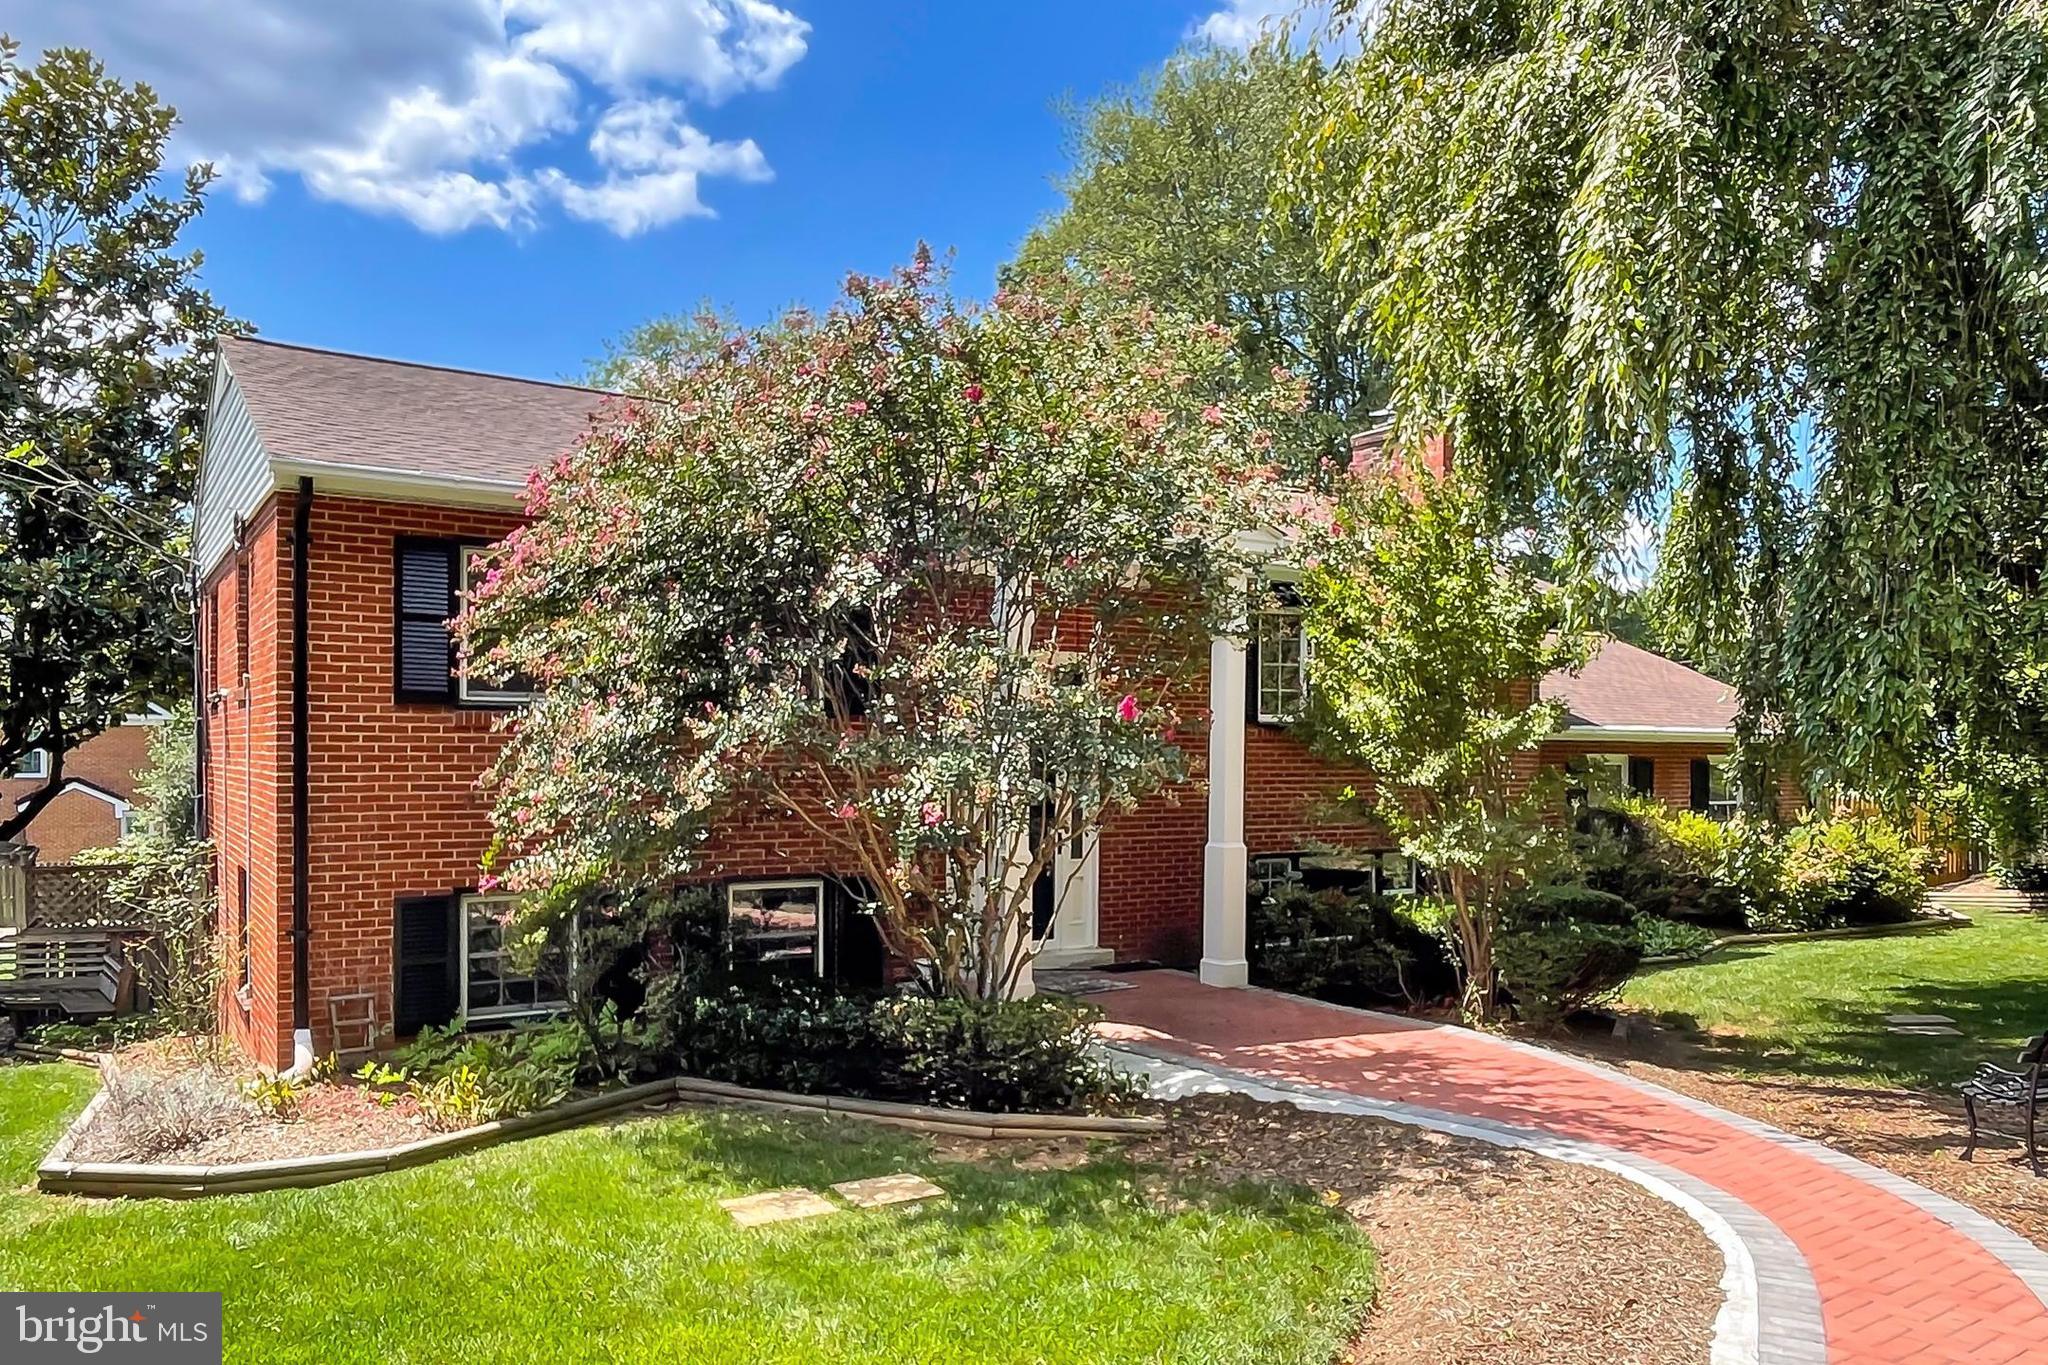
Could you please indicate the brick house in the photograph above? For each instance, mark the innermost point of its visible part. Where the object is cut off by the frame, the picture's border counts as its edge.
(341, 743)
(92, 806)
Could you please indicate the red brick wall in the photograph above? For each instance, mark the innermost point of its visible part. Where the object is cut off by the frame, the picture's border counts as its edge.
(74, 821)
(247, 779)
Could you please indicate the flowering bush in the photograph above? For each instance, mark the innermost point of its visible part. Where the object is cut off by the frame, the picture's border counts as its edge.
(928, 583)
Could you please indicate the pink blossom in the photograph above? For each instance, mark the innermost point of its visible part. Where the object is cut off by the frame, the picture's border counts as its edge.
(930, 813)
(1127, 709)
(972, 393)
(845, 811)
(1213, 415)
(856, 408)
(487, 882)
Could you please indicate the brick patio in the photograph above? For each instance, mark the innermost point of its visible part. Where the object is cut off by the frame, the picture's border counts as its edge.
(1902, 1274)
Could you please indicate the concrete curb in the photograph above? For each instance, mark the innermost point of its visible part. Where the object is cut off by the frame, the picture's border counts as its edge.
(1770, 1306)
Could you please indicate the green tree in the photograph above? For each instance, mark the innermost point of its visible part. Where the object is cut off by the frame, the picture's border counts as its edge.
(1428, 633)
(631, 362)
(930, 583)
(1171, 194)
(105, 334)
(1779, 261)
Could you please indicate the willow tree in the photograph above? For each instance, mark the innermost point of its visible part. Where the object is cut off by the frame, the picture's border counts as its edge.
(1773, 266)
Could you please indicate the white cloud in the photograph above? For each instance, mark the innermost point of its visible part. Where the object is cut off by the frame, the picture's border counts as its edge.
(652, 162)
(1242, 23)
(449, 113)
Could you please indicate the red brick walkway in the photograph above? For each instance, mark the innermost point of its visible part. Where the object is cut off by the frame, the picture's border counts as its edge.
(1897, 1285)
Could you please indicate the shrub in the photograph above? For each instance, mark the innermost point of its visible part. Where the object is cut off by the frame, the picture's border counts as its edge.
(998, 1056)
(2027, 874)
(1679, 864)
(463, 1079)
(144, 1115)
(1851, 870)
(1343, 947)
(1554, 968)
(1660, 937)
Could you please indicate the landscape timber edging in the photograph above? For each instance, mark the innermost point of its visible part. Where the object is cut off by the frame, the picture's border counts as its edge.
(1925, 922)
(144, 1180)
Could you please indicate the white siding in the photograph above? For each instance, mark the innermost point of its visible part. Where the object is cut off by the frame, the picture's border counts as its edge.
(234, 472)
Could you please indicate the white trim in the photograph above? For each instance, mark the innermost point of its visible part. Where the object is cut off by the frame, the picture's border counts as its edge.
(495, 1013)
(79, 784)
(40, 756)
(1654, 734)
(401, 484)
(766, 883)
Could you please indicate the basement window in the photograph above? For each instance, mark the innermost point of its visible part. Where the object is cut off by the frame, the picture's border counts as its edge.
(494, 984)
(778, 925)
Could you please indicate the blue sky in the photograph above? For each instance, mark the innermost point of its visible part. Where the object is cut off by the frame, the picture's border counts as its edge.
(504, 183)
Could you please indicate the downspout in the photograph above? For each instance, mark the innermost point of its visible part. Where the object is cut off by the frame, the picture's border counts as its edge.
(302, 1015)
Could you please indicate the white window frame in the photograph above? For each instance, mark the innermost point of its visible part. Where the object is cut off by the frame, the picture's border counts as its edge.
(1730, 806)
(783, 884)
(1278, 671)
(1381, 884)
(1274, 871)
(497, 1013)
(1585, 763)
(34, 766)
(479, 694)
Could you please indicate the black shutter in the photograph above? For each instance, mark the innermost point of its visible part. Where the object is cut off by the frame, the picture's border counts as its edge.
(854, 955)
(1251, 672)
(1702, 785)
(423, 589)
(427, 958)
(1642, 776)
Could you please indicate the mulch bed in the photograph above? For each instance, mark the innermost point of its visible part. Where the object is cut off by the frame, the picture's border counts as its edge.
(1915, 1133)
(1488, 1255)
(331, 1117)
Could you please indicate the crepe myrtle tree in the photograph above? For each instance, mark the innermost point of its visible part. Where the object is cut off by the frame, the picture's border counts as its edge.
(928, 585)
(1428, 630)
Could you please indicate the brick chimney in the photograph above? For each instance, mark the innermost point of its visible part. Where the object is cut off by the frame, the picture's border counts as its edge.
(1373, 450)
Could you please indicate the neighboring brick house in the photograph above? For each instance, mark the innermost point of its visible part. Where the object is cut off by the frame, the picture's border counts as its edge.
(341, 743)
(92, 807)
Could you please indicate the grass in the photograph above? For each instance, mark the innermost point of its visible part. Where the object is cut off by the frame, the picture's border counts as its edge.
(607, 1244)
(1816, 1009)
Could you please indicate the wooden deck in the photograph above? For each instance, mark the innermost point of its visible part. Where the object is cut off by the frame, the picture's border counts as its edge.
(82, 973)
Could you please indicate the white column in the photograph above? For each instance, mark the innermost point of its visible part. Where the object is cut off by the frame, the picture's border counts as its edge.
(1223, 859)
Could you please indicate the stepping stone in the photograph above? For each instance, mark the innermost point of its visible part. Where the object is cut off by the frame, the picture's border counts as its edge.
(777, 1206)
(1925, 1030)
(1918, 1019)
(877, 1191)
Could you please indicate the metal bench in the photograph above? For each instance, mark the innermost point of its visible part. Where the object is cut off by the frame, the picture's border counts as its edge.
(1997, 1087)
(82, 973)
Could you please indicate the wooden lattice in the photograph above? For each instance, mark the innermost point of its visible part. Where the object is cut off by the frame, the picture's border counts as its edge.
(76, 896)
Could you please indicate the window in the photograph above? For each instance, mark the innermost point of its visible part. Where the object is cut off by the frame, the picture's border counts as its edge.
(242, 930)
(778, 924)
(494, 985)
(1599, 778)
(1724, 789)
(514, 689)
(1271, 874)
(1397, 875)
(35, 764)
(1281, 681)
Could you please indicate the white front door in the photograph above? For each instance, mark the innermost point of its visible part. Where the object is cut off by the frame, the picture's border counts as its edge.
(1069, 940)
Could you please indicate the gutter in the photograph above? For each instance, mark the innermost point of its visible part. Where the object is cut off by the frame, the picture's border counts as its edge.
(301, 932)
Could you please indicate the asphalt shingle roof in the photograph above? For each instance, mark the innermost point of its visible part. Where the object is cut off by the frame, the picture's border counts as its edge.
(1627, 686)
(391, 415)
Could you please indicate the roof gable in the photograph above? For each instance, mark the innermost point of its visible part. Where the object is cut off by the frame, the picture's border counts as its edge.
(1623, 687)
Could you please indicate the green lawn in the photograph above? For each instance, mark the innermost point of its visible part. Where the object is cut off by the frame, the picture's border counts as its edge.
(1817, 1008)
(606, 1244)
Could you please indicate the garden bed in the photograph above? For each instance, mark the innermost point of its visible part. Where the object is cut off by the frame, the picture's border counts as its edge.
(340, 1132)
(1488, 1255)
